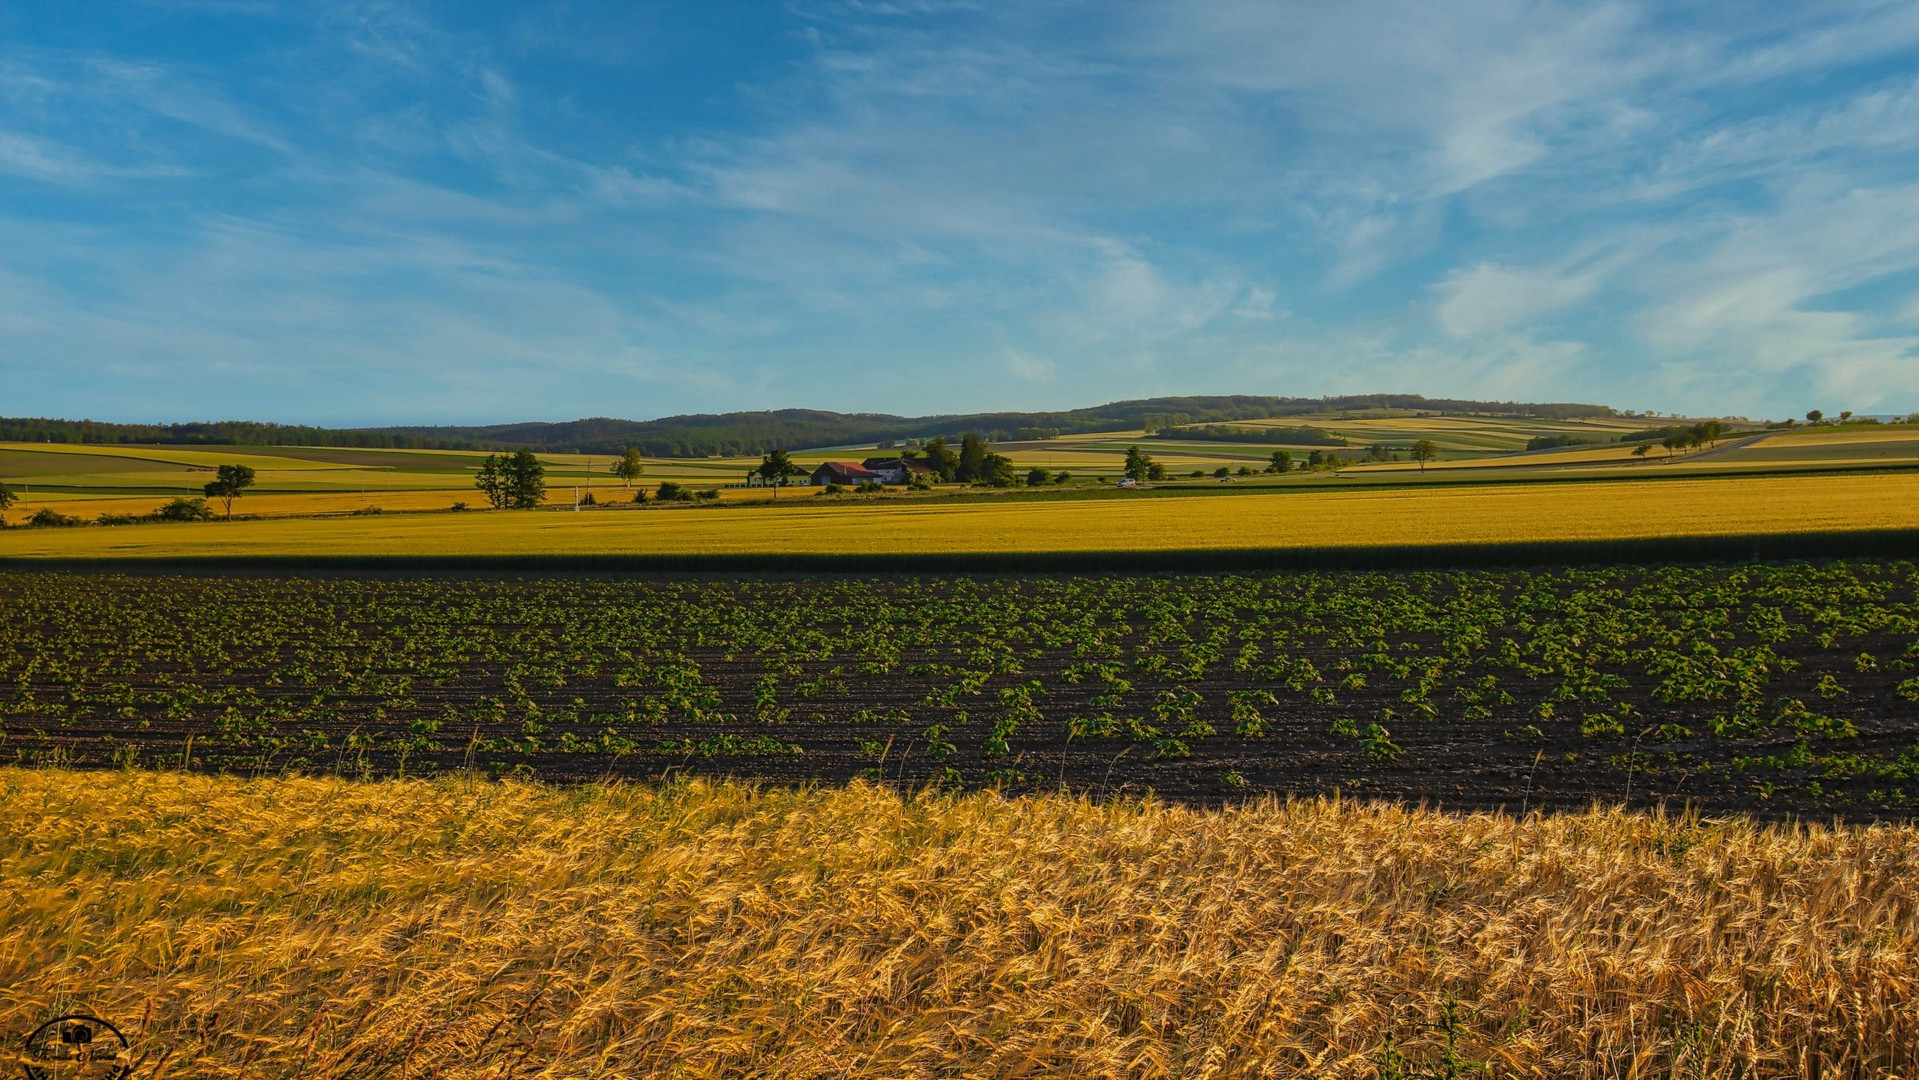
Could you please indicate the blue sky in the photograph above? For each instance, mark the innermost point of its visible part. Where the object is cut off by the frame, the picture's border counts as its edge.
(385, 212)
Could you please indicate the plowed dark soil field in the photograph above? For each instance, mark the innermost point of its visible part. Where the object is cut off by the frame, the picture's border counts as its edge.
(1775, 689)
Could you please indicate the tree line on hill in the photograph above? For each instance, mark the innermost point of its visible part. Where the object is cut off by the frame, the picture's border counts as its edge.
(747, 433)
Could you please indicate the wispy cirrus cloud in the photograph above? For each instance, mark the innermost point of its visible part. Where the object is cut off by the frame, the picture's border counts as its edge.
(369, 207)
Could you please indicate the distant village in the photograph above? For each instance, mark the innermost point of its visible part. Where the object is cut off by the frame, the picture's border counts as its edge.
(879, 470)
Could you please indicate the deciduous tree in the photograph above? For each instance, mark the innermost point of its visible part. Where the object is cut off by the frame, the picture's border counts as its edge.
(525, 480)
(1423, 451)
(629, 467)
(776, 467)
(229, 482)
(491, 480)
(1139, 465)
(943, 462)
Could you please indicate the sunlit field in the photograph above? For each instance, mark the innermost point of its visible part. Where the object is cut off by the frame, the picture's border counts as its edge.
(808, 523)
(455, 928)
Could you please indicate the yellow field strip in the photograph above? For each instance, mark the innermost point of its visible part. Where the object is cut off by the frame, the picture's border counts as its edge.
(1443, 515)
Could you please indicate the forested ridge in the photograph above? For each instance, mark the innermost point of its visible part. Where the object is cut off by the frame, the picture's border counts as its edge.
(710, 434)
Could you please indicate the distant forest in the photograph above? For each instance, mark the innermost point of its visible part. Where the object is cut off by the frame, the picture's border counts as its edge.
(744, 433)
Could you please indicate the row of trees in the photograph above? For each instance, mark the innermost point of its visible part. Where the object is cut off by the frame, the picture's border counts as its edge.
(1706, 434)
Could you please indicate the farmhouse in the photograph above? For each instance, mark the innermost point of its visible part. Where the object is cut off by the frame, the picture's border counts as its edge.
(893, 470)
(842, 472)
(755, 479)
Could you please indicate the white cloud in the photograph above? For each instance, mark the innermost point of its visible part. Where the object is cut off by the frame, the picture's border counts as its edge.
(1489, 297)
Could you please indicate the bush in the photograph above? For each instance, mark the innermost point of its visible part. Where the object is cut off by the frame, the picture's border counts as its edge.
(1553, 442)
(870, 487)
(1037, 477)
(184, 510)
(713, 494)
(49, 518)
(588, 500)
(639, 495)
(833, 489)
(366, 511)
(670, 492)
(1222, 471)
(459, 507)
(1062, 476)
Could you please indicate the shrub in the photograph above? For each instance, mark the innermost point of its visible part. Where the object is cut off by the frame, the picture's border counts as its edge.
(712, 494)
(670, 491)
(639, 495)
(366, 511)
(49, 518)
(1037, 477)
(187, 510)
(588, 500)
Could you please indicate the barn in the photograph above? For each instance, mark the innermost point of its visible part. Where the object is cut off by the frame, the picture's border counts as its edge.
(849, 473)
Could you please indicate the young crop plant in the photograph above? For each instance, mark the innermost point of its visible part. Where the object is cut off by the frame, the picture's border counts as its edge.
(525, 676)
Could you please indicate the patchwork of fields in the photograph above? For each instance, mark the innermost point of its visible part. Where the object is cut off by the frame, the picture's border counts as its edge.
(91, 480)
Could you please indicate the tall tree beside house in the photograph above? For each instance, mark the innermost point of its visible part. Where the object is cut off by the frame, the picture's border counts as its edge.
(629, 467)
(228, 483)
(776, 467)
(943, 462)
(972, 459)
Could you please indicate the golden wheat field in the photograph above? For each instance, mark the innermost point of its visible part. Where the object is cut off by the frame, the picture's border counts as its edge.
(453, 928)
(812, 524)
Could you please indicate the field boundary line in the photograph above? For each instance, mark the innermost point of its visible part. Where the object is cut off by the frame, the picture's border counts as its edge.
(1863, 543)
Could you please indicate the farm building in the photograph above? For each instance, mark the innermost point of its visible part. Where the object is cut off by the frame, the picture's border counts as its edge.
(893, 470)
(754, 479)
(842, 472)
